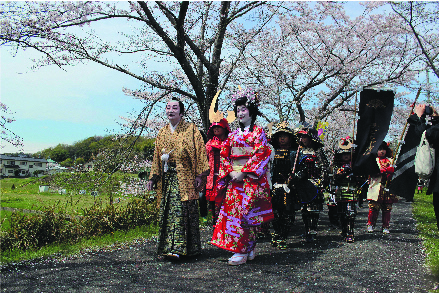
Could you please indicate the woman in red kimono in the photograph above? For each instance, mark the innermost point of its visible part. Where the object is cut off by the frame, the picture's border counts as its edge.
(244, 159)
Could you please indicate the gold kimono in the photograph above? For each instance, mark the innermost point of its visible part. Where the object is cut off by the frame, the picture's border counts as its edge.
(179, 231)
(188, 154)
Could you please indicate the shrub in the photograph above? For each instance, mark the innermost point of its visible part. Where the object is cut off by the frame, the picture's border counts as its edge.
(53, 225)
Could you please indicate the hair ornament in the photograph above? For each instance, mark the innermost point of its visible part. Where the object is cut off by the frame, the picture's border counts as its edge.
(345, 143)
(249, 93)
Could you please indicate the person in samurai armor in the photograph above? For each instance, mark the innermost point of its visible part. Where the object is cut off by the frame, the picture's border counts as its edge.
(283, 200)
(343, 188)
(309, 177)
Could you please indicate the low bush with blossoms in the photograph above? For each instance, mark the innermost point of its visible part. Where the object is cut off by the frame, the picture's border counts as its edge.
(54, 225)
(122, 204)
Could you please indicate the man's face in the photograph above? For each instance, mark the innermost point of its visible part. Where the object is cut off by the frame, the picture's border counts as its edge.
(305, 140)
(218, 131)
(346, 157)
(284, 140)
(173, 111)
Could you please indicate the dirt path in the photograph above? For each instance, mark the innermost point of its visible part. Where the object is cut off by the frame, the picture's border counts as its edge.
(373, 263)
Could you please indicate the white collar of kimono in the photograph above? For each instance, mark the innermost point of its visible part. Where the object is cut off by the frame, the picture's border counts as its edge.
(246, 129)
(172, 128)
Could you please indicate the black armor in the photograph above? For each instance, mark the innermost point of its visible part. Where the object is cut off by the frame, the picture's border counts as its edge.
(309, 180)
(343, 190)
(283, 200)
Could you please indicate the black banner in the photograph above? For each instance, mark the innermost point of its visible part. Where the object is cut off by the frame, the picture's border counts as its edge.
(375, 111)
(405, 179)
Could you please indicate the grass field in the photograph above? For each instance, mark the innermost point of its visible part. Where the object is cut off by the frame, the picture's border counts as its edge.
(426, 223)
(23, 194)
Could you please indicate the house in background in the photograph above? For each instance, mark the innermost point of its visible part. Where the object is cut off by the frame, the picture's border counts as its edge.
(21, 166)
(53, 167)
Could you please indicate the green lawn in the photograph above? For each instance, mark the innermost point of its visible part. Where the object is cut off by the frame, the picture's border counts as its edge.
(426, 223)
(26, 195)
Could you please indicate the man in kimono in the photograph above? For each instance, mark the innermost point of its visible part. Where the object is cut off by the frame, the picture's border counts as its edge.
(178, 171)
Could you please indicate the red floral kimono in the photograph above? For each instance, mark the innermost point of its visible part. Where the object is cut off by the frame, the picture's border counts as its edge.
(247, 203)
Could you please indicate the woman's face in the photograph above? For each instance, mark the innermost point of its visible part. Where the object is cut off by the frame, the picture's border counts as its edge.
(243, 115)
(381, 153)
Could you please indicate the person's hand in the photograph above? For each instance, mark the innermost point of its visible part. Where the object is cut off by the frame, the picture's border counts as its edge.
(197, 182)
(420, 110)
(237, 176)
(150, 185)
(233, 174)
(390, 169)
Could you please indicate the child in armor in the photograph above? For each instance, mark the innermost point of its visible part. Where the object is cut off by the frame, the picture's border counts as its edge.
(378, 193)
(343, 189)
(309, 178)
(217, 135)
(283, 141)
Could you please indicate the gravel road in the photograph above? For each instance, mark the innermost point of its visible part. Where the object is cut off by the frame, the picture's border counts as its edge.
(373, 263)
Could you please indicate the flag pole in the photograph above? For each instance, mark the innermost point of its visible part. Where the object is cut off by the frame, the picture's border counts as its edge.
(353, 129)
(405, 126)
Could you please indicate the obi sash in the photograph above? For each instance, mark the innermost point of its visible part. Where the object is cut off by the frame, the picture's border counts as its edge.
(238, 164)
(241, 152)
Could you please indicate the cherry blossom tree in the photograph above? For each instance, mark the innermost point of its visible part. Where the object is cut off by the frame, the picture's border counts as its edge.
(8, 135)
(318, 58)
(305, 59)
(190, 35)
(421, 19)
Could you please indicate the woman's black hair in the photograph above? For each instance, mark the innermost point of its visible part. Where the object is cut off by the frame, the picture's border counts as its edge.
(180, 104)
(253, 110)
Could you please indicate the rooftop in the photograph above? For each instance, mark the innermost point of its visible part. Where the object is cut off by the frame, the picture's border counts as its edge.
(22, 158)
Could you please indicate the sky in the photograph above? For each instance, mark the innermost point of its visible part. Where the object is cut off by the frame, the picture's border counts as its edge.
(53, 106)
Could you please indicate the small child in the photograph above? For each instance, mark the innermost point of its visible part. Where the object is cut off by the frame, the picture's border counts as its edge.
(420, 185)
(378, 194)
(283, 141)
(217, 135)
(343, 189)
